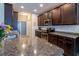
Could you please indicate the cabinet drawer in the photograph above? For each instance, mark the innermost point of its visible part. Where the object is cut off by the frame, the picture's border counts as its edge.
(52, 39)
(61, 43)
(69, 40)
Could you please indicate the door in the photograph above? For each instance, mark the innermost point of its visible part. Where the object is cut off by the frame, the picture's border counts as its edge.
(22, 28)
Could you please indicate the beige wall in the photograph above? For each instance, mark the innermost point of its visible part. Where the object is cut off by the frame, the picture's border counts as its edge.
(27, 17)
(34, 24)
(22, 16)
(31, 20)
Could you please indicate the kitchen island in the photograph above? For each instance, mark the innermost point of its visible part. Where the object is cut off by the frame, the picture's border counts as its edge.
(40, 48)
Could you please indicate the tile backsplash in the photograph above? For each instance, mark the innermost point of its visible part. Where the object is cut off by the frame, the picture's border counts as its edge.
(66, 28)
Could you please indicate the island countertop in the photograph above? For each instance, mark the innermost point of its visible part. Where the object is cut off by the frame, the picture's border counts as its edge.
(41, 48)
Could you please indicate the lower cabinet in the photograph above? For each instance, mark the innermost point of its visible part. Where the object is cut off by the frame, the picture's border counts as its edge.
(53, 39)
(68, 49)
(38, 33)
(66, 43)
(60, 42)
(69, 46)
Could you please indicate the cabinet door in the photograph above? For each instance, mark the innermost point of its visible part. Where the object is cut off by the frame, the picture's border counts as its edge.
(39, 21)
(56, 16)
(68, 50)
(69, 46)
(77, 13)
(52, 39)
(68, 14)
(61, 42)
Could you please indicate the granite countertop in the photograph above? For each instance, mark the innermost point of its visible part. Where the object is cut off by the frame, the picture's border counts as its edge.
(42, 48)
(66, 34)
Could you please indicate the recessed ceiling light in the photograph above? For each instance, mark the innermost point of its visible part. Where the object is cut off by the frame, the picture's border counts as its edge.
(41, 5)
(22, 7)
(35, 10)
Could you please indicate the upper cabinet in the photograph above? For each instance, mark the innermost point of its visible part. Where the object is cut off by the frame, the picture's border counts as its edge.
(41, 20)
(77, 11)
(68, 14)
(56, 16)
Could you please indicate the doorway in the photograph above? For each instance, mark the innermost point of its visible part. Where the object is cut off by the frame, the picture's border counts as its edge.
(22, 28)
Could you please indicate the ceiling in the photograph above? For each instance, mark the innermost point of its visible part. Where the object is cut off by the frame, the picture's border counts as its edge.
(29, 7)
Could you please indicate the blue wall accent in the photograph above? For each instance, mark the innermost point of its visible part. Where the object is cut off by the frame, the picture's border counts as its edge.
(15, 23)
(8, 14)
(14, 20)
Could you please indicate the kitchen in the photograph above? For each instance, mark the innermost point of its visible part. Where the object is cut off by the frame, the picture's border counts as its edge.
(41, 30)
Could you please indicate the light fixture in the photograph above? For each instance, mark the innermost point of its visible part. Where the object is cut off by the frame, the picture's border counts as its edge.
(22, 7)
(35, 10)
(41, 5)
(23, 13)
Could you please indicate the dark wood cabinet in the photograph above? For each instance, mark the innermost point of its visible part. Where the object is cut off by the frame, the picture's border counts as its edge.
(61, 42)
(56, 16)
(70, 45)
(53, 39)
(77, 13)
(39, 21)
(38, 33)
(68, 14)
